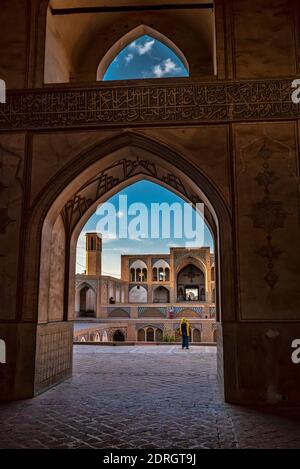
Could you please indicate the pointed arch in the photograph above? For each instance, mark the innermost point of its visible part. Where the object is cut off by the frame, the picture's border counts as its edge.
(65, 185)
(131, 36)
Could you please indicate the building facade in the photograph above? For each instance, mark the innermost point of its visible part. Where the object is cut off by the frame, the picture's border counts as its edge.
(153, 293)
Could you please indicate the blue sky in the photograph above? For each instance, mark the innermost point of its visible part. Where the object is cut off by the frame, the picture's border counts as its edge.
(145, 192)
(145, 57)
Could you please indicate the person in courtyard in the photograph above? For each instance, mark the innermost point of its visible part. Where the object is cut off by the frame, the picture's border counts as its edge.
(184, 331)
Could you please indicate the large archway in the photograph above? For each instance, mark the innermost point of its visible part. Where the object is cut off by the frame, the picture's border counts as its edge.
(71, 198)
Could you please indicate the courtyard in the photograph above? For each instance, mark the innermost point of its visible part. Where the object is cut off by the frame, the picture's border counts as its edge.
(143, 397)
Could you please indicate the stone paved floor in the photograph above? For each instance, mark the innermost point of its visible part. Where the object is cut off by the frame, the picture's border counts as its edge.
(143, 397)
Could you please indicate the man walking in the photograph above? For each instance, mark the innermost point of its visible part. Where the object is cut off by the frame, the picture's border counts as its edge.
(184, 331)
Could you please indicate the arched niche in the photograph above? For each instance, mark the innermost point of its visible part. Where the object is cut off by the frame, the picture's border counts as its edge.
(152, 313)
(196, 335)
(150, 334)
(161, 295)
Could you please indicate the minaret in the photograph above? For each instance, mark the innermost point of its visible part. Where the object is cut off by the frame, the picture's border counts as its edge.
(93, 254)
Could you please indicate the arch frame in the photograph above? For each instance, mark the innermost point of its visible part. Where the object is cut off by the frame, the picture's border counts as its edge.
(160, 287)
(57, 194)
(78, 292)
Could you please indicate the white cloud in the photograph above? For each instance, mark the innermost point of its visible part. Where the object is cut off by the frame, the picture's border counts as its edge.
(128, 58)
(165, 67)
(142, 49)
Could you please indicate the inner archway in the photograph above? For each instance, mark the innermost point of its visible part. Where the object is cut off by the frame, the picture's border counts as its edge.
(71, 51)
(123, 160)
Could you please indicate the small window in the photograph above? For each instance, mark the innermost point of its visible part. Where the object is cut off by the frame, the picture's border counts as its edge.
(145, 57)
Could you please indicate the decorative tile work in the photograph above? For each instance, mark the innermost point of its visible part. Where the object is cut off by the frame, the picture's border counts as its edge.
(187, 102)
